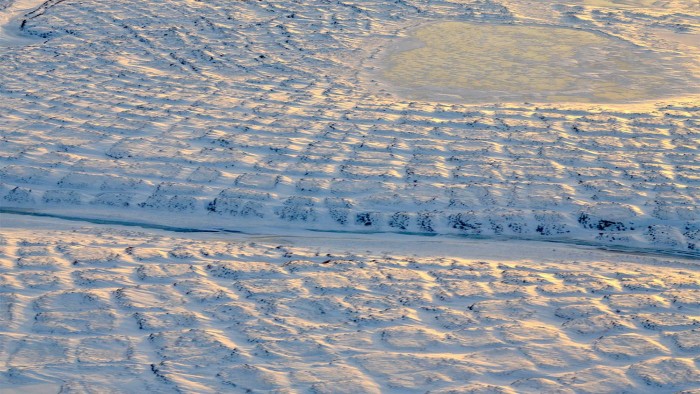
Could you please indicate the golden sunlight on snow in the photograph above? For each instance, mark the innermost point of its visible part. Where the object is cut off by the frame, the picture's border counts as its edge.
(478, 62)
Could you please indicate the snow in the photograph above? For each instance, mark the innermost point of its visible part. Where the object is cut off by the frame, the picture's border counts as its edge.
(470, 62)
(13, 16)
(218, 117)
(150, 310)
(217, 196)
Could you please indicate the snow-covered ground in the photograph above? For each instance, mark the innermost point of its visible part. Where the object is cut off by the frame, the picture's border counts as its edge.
(389, 240)
(100, 309)
(259, 113)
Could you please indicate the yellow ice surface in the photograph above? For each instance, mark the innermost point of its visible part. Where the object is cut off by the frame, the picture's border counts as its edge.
(622, 3)
(529, 63)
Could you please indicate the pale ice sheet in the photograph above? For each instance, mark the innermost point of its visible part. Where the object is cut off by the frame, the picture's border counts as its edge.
(486, 62)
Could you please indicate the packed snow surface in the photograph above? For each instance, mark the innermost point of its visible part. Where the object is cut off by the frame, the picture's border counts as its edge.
(208, 114)
(279, 120)
(272, 114)
(108, 309)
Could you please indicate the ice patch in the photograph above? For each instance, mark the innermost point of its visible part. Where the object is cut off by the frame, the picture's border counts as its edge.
(474, 62)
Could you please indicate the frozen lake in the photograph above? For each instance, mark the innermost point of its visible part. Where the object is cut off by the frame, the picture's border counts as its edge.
(477, 62)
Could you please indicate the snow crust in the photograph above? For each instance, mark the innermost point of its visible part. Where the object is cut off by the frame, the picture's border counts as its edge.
(112, 309)
(269, 114)
(272, 118)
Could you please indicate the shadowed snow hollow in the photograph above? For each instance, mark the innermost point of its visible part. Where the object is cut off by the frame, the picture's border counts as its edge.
(13, 15)
(485, 62)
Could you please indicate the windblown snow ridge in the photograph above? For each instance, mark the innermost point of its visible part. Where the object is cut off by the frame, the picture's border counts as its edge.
(261, 115)
(94, 308)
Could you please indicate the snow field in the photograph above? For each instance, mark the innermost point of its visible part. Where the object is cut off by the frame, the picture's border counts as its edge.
(98, 309)
(267, 114)
(268, 117)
